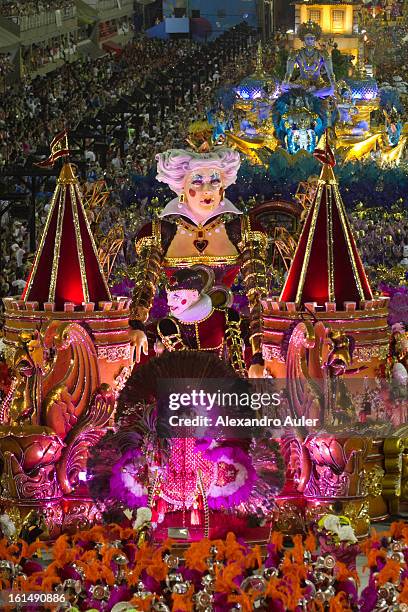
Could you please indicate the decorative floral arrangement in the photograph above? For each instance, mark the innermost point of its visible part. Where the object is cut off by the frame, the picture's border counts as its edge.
(337, 538)
(103, 569)
(389, 273)
(5, 377)
(398, 305)
(7, 526)
(339, 527)
(362, 181)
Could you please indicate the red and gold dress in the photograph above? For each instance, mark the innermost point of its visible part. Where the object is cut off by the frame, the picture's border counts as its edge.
(228, 242)
(218, 331)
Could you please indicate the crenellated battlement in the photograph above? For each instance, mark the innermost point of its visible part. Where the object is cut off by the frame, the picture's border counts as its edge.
(120, 304)
(365, 321)
(106, 320)
(273, 306)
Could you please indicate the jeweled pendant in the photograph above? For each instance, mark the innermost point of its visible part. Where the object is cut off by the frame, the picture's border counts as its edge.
(200, 245)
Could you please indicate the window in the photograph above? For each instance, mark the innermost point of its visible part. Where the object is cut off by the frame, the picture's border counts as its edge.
(337, 21)
(314, 15)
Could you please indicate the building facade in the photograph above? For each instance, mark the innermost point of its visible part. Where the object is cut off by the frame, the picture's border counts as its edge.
(338, 20)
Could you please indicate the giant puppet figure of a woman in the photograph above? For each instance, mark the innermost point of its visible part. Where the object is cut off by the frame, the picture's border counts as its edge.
(200, 226)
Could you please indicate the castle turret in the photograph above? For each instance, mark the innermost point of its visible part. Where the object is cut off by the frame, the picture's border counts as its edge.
(327, 266)
(325, 329)
(68, 346)
(66, 266)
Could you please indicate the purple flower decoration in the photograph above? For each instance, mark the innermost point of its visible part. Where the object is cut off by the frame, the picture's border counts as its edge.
(124, 288)
(398, 304)
(398, 308)
(390, 291)
(160, 308)
(125, 482)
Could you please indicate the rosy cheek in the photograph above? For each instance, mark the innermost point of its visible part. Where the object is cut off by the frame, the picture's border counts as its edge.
(192, 192)
(184, 302)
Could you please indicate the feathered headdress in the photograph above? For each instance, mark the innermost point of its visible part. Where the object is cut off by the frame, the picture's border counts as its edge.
(139, 441)
(138, 432)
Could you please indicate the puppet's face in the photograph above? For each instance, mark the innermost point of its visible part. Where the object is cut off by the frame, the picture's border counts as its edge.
(203, 189)
(178, 301)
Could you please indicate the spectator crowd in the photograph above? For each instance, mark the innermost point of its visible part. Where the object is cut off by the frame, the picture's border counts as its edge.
(381, 238)
(13, 8)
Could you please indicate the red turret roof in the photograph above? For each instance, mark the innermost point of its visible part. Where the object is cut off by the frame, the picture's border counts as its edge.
(326, 266)
(66, 266)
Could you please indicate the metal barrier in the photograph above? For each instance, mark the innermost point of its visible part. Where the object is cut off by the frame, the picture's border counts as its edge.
(32, 22)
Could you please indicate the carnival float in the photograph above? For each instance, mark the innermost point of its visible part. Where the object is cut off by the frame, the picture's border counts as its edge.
(86, 450)
(263, 112)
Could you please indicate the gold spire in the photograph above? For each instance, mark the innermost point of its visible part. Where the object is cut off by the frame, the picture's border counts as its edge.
(259, 61)
(67, 174)
(327, 175)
